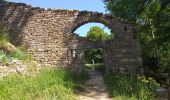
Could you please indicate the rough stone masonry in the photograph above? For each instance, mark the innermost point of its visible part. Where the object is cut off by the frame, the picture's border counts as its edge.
(48, 35)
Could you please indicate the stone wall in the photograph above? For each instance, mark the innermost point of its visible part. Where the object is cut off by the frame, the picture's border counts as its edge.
(48, 35)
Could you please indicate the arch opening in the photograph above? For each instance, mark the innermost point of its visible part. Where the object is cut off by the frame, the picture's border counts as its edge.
(86, 27)
(95, 32)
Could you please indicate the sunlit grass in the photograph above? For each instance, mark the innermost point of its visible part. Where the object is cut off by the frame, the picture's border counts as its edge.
(47, 85)
(130, 87)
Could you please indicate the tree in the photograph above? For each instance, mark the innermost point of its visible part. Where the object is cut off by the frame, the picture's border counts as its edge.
(95, 34)
(153, 18)
(123, 8)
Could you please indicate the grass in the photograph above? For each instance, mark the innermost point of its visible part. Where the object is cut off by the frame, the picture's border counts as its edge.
(3, 57)
(61, 84)
(130, 87)
(21, 54)
(8, 51)
(47, 85)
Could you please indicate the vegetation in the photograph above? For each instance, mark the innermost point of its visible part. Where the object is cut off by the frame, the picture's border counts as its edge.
(153, 19)
(130, 87)
(93, 54)
(8, 51)
(48, 84)
(95, 34)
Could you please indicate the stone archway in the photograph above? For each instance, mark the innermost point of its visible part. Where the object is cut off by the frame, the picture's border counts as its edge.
(122, 54)
(47, 33)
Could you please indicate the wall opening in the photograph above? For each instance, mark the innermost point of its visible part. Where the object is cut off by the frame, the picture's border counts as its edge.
(94, 59)
(95, 32)
(86, 28)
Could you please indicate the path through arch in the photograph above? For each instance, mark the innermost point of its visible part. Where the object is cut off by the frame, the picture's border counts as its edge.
(95, 88)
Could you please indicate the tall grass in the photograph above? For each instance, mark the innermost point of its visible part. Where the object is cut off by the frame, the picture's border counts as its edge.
(130, 87)
(18, 54)
(47, 85)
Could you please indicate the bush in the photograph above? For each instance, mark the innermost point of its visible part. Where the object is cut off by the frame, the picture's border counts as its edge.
(3, 57)
(131, 87)
(21, 55)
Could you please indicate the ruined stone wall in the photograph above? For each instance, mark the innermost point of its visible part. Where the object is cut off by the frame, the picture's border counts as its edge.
(48, 34)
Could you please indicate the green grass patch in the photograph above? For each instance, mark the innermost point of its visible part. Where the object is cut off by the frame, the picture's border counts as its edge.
(130, 87)
(21, 54)
(5, 58)
(47, 85)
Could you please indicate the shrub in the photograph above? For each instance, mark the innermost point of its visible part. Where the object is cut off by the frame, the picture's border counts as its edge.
(21, 55)
(3, 57)
(131, 87)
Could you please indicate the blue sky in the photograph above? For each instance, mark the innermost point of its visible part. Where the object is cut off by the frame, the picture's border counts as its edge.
(85, 28)
(89, 5)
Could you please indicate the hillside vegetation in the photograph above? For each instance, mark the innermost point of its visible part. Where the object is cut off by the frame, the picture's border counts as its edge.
(9, 52)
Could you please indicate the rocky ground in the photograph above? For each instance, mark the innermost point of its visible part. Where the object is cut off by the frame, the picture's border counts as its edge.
(19, 67)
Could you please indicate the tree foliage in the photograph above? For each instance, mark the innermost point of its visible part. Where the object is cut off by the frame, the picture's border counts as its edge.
(95, 34)
(153, 18)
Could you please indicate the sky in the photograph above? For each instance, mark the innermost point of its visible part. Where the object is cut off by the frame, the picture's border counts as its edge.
(89, 5)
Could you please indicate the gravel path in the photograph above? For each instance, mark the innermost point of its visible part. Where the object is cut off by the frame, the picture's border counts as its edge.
(95, 88)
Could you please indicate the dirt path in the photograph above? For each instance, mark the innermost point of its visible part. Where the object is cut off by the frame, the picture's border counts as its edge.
(95, 88)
